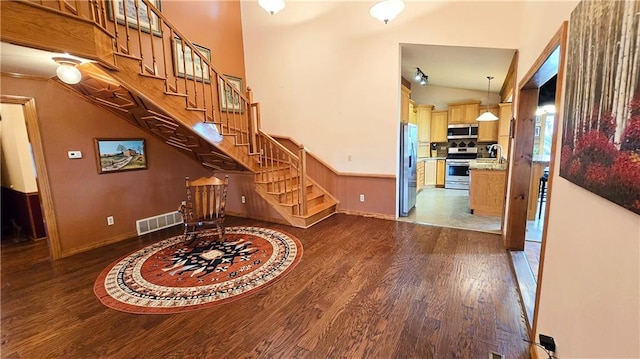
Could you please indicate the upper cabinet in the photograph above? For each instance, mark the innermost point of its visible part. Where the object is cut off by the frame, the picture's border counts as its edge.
(503, 127)
(404, 109)
(465, 112)
(439, 126)
(488, 130)
(413, 113)
(424, 122)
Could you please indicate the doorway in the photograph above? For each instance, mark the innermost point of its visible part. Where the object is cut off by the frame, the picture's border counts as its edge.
(29, 114)
(526, 174)
(438, 108)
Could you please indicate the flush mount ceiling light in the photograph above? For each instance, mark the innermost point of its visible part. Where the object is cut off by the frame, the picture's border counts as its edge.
(67, 71)
(387, 10)
(487, 116)
(272, 6)
(421, 77)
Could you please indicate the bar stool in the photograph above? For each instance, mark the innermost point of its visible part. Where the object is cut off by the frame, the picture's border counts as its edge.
(542, 189)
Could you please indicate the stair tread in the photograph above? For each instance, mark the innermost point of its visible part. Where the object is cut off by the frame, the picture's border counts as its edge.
(317, 209)
(310, 196)
(292, 189)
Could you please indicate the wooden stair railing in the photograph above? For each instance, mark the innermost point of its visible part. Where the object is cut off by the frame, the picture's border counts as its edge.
(164, 53)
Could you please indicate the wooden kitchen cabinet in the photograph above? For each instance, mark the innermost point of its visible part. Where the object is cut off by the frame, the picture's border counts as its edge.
(430, 173)
(439, 126)
(505, 115)
(413, 114)
(424, 122)
(420, 175)
(440, 169)
(488, 130)
(464, 112)
(486, 192)
(404, 104)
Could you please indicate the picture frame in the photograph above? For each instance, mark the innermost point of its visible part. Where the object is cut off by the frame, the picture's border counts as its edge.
(120, 154)
(228, 100)
(152, 25)
(179, 62)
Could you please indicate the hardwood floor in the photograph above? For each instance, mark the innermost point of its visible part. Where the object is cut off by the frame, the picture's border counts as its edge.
(365, 288)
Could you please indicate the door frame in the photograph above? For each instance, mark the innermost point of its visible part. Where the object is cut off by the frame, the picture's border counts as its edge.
(550, 62)
(42, 178)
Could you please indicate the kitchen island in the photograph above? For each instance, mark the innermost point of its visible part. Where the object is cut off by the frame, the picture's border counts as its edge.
(486, 187)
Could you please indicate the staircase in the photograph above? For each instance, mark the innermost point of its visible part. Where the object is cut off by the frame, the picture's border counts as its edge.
(151, 75)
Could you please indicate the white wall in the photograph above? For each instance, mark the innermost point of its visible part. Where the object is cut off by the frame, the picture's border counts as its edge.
(327, 74)
(18, 171)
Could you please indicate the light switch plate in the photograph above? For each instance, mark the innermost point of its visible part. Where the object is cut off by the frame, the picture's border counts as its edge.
(74, 154)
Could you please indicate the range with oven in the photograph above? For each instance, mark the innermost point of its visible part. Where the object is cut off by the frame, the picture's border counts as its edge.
(459, 154)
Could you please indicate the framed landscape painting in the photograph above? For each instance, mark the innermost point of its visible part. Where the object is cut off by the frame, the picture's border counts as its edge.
(120, 154)
(229, 100)
(128, 7)
(186, 59)
(601, 128)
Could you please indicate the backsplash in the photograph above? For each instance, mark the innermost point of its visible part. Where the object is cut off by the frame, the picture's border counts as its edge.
(483, 149)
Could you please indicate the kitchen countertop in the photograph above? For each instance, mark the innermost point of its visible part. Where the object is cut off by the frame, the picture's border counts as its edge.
(431, 158)
(490, 164)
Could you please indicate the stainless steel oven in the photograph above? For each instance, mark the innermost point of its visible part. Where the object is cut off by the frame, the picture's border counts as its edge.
(457, 174)
(457, 167)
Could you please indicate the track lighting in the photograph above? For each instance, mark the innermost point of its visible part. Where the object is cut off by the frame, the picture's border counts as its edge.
(487, 115)
(67, 71)
(421, 77)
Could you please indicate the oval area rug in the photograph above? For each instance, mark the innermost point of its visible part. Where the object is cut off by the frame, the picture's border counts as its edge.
(172, 277)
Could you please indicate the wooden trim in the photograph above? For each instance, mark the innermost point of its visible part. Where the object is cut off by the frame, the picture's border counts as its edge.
(23, 76)
(367, 214)
(33, 131)
(554, 145)
(510, 80)
(106, 242)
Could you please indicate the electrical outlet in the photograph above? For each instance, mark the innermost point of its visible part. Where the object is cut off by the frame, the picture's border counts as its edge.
(243, 199)
(362, 198)
(349, 158)
(110, 221)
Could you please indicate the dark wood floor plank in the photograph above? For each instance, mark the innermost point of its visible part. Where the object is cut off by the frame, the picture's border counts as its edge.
(365, 288)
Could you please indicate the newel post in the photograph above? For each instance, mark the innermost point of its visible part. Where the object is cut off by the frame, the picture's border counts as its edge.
(251, 122)
(303, 180)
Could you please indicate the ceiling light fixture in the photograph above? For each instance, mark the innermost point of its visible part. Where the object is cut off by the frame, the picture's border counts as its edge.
(67, 71)
(387, 10)
(421, 77)
(487, 116)
(272, 6)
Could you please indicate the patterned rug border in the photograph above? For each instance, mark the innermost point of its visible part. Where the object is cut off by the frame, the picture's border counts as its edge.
(106, 299)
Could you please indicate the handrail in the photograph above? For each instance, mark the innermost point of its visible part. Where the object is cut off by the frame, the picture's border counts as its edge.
(167, 54)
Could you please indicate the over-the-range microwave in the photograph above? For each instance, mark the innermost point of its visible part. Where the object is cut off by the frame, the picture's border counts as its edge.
(462, 131)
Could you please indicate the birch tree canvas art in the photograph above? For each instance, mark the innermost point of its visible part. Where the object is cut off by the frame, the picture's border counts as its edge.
(601, 130)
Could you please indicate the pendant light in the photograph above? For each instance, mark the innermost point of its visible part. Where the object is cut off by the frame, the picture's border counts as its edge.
(387, 10)
(487, 116)
(272, 6)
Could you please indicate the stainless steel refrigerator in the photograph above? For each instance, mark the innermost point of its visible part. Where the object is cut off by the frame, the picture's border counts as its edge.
(408, 157)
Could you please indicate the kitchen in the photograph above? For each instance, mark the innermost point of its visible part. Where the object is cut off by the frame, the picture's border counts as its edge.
(460, 167)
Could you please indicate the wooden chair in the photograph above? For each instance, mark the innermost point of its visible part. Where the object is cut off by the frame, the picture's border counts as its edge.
(204, 206)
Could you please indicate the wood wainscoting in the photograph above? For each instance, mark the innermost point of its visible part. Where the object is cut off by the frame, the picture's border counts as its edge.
(25, 210)
(378, 189)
